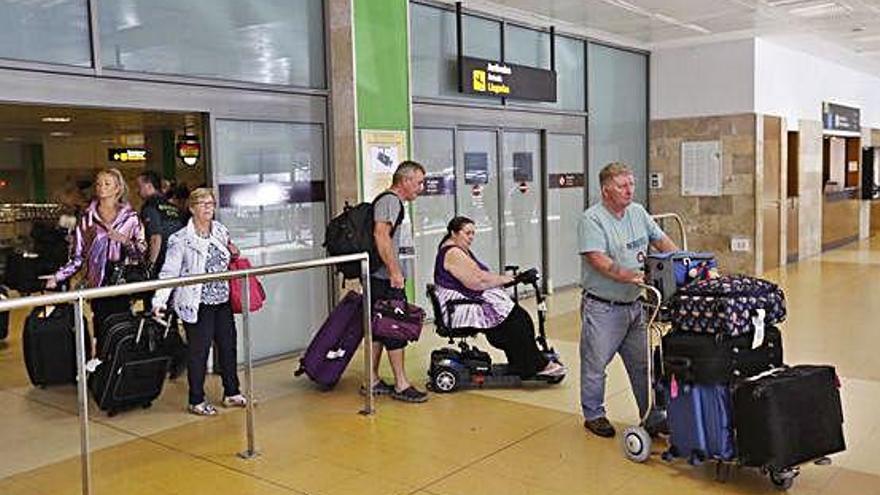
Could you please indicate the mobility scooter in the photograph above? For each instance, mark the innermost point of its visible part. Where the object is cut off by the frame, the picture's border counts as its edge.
(469, 367)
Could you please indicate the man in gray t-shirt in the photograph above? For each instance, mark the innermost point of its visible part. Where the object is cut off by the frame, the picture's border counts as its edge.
(613, 238)
(388, 281)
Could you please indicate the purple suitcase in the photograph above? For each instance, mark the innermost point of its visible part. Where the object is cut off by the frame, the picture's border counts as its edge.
(335, 342)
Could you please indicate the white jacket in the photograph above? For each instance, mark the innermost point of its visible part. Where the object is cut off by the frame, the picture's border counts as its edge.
(186, 255)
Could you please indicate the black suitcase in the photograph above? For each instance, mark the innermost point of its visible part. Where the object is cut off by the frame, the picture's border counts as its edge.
(23, 270)
(133, 365)
(709, 359)
(49, 345)
(4, 316)
(788, 417)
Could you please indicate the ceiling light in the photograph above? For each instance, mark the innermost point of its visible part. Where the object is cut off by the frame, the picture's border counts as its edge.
(675, 22)
(13, 139)
(635, 9)
(783, 3)
(825, 9)
(61, 134)
(56, 119)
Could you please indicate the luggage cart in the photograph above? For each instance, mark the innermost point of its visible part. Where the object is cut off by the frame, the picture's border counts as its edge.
(636, 440)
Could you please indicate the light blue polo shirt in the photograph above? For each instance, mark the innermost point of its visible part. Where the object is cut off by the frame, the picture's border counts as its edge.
(624, 240)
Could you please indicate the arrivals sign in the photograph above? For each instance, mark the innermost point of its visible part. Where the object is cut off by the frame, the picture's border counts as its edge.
(491, 78)
(127, 155)
(840, 118)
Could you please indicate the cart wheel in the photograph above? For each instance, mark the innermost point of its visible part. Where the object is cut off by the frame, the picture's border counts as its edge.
(782, 480)
(636, 444)
(445, 380)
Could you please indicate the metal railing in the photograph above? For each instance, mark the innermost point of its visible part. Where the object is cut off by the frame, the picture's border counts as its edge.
(679, 223)
(80, 296)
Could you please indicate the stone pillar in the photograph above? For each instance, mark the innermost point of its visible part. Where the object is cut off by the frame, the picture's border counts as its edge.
(811, 195)
(343, 168)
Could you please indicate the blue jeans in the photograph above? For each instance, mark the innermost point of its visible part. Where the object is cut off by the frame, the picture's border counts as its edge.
(607, 330)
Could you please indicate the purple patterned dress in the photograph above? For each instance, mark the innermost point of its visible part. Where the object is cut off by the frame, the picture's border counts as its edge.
(495, 305)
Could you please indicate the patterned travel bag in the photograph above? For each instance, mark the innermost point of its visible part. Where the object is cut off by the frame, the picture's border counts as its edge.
(731, 305)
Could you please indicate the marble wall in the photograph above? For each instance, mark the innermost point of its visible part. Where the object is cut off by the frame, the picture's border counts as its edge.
(712, 221)
(343, 113)
(810, 195)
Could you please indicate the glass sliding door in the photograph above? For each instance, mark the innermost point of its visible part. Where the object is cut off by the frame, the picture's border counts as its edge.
(271, 192)
(476, 191)
(565, 202)
(521, 190)
(435, 149)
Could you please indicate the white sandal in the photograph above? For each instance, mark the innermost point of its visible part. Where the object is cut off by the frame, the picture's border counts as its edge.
(203, 409)
(236, 400)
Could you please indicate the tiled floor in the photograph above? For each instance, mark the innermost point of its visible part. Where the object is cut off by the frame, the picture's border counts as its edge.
(523, 441)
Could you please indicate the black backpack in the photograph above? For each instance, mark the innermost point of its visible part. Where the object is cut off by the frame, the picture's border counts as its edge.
(351, 232)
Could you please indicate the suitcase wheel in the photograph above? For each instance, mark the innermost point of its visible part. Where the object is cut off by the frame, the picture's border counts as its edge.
(783, 480)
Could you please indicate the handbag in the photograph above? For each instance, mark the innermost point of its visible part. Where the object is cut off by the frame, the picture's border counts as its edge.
(397, 319)
(124, 272)
(236, 291)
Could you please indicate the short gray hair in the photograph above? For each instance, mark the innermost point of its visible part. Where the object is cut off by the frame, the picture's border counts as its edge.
(405, 169)
(612, 170)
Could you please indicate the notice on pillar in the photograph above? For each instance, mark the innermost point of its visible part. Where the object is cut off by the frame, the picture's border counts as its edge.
(701, 168)
(381, 152)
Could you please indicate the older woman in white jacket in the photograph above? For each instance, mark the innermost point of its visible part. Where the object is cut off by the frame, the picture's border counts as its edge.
(203, 246)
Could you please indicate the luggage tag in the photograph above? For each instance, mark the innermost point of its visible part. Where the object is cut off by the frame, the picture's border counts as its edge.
(758, 322)
(335, 354)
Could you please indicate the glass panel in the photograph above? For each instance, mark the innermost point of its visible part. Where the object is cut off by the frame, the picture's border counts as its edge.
(618, 114)
(521, 184)
(565, 202)
(262, 41)
(527, 47)
(570, 74)
(435, 149)
(270, 178)
(55, 32)
(433, 50)
(477, 191)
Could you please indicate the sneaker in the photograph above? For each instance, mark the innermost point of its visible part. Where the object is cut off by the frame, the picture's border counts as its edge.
(380, 388)
(600, 427)
(236, 400)
(202, 409)
(410, 394)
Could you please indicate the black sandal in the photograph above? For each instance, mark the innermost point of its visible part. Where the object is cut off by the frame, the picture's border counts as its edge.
(410, 394)
(380, 388)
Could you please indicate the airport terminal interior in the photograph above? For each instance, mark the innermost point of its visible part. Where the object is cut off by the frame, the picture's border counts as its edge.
(757, 122)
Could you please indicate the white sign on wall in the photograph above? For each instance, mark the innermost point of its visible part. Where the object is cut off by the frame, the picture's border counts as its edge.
(701, 168)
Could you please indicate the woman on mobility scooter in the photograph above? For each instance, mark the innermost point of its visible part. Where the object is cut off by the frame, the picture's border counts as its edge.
(458, 274)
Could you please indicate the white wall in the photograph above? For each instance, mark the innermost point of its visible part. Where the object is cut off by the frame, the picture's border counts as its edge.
(793, 84)
(710, 79)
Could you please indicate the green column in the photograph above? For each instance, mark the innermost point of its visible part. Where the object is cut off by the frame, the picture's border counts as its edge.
(38, 172)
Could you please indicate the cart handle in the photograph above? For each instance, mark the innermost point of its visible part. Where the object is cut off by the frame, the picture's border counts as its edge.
(680, 222)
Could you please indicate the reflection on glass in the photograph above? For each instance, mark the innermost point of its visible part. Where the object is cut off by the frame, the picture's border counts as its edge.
(54, 32)
(262, 41)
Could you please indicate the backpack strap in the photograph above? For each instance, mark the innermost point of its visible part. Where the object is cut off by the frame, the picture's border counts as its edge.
(400, 214)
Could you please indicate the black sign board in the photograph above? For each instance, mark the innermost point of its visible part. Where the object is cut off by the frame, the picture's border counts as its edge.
(271, 193)
(565, 181)
(491, 78)
(840, 118)
(476, 168)
(523, 170)
(127, 154)
(438, 185)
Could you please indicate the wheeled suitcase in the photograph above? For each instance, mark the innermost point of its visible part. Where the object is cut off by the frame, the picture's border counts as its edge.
(712, 359)
(49, 345)
(731, 305)
(335, 343)
(788, 416)
(669, 271)
(700, 423)
(133, 365)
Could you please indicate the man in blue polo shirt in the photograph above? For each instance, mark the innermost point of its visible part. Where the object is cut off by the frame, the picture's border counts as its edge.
(613, 237)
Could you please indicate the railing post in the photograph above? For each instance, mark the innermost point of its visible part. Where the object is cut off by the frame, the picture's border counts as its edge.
(251, 451)
(369, 404)
(83, 398)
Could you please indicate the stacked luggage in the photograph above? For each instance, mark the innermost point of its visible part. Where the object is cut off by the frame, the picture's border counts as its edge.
(731, 398)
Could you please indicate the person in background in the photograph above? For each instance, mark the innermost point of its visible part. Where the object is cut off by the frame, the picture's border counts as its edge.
(613, 238)
(109, 231)
(203, 246)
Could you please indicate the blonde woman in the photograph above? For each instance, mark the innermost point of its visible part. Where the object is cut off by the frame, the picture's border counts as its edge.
(203, 246)
(109, 231)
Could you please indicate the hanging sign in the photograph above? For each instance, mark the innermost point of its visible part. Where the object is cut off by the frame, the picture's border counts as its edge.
(492, 78)
(189, 150)
(127, 154)
(566, 180)
(840, 118)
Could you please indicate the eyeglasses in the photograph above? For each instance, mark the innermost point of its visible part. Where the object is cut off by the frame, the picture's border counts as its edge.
(206, 204)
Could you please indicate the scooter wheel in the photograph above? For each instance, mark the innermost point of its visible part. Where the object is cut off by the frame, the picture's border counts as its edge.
(556, 379)
(445, 380)
(636, 444)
